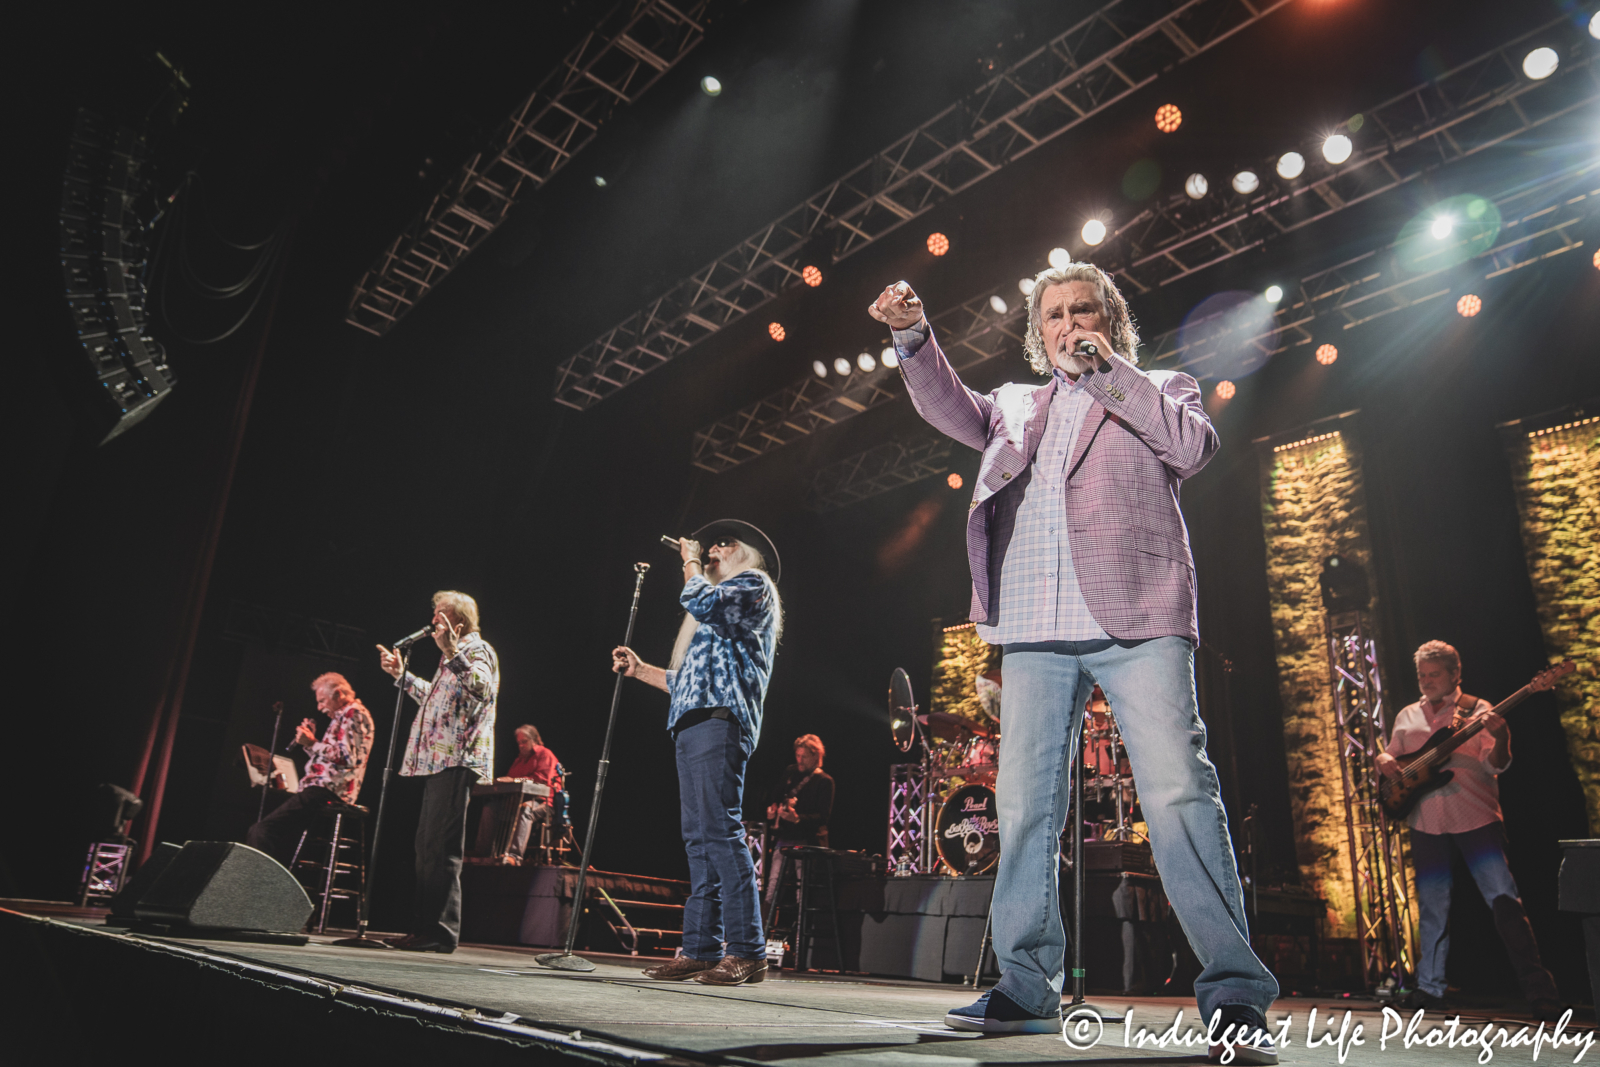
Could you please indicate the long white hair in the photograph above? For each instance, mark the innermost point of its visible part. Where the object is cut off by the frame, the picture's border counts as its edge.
(746, 559)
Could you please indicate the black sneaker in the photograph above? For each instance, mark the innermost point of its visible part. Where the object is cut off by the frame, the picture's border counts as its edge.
(1241, 1037)
(996, 1013)
(1421, 998)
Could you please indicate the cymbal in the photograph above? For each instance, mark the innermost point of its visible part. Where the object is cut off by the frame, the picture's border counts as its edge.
(902, 705)
(949, 727)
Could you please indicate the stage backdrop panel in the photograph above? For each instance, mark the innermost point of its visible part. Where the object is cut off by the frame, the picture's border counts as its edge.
(1555, 470)
(960, 659)
(1312, 507)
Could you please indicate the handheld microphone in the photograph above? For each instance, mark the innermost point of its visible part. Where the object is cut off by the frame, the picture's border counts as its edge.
(411, 639)
(670, 542)
(1087, 348)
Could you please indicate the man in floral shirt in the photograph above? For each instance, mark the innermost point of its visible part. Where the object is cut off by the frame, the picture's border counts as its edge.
(451, 748)
(333, 772)
(718, 681)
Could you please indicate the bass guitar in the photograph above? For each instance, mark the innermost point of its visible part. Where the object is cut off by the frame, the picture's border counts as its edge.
(1423, 771)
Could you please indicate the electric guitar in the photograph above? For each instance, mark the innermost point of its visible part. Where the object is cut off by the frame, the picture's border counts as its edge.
(1423, 771)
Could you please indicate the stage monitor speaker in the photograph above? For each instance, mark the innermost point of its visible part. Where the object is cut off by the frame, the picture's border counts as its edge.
(134, 888)
(225, 890)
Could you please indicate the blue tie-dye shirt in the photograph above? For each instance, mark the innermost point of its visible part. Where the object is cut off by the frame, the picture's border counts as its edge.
(729, 661)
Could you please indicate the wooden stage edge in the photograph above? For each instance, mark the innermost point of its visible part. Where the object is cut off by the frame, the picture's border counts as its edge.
(486, 998)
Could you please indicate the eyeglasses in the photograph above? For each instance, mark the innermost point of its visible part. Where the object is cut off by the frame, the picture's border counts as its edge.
(724, 542)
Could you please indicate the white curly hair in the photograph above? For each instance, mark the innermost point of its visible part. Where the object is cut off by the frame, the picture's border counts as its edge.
(1123, 333)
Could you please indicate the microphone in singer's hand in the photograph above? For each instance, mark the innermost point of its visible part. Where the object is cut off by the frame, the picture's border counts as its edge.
(1087, 347)
(670, 542)
(411, 639)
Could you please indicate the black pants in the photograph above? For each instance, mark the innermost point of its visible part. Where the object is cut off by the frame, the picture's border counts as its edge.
(441, 840)
(279, 833)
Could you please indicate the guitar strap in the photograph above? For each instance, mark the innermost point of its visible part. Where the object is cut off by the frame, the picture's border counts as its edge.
(1466, 705)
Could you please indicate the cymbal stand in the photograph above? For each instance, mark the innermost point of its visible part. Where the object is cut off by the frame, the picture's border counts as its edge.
(566, 959)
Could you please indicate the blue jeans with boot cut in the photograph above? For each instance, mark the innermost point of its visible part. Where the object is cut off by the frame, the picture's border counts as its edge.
(723, 904)
(1150, 685)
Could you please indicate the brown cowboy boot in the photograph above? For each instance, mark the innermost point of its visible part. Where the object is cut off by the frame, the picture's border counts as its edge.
(734, 971)
(678, 968)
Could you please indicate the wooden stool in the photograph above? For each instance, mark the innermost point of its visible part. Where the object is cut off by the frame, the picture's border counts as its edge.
(334, 867)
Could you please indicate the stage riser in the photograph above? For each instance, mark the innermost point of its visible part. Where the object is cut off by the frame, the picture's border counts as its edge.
(533, 905)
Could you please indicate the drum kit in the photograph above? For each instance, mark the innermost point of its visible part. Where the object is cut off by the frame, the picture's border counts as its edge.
(961, 760)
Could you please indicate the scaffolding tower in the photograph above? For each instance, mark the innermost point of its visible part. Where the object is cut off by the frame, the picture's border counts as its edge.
(1384, 924)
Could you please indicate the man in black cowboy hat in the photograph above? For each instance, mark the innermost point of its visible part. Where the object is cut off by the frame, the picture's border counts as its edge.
(717, 681)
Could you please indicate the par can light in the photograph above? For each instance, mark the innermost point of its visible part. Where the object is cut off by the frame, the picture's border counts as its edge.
(998, 303)
(1059, 258)
(1094, 231)
(776, 330)
(1196, 186)
(842, 365)
(1273, 294)
(866, 362)
(938, 244)
(812, 276)
(954, 481)
(1168, 118)
(1025, 286)
(819, 368)
(1225, 390)
(1337, 148)
(1291, 165)
(1326, 354)
(889, 357)
(1246, 182)
(710, 86)
(1540, 63)
(1468, 306)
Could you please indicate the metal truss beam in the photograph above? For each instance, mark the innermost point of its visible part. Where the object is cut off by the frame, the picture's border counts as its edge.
(1122, 47)
(631, 47)
(878, 470)
(1542, 219)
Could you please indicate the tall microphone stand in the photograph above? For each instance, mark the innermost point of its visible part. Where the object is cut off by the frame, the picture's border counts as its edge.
(272, 750)
(361, 940)
(566, 960)
(1077, 1006)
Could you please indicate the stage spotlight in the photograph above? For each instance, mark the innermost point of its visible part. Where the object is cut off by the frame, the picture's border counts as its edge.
(776, 330)
(938, 244)
(842, 365)
(954, 481)
(1168, 118)
(1337, 148)
(1441, 227)
(1225, 390)
(1596, 259)
(710, 86)
(1449, 232)
(1291, 165)
(1094, 231)
(1326, 354)
(1246, 182)
(1540, 63)
(1025, 286)
(1468, 306)
(1594, 26)
(1196, 186)
(599, 181)
(811, 276)
(889, 357)
(1273, 294)
(1059, 258)
(998, 303)
(866, 362)
(819, 368)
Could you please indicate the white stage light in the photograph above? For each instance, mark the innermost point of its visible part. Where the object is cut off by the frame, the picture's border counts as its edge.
(1059, 258)
(1273, 294)
(819, 368)
(866, 362)
(1540, 63)
(1196, 186)
(890, 357)
(1246, 182)
(710, 86)
(998, 303)
(1337, 148)
(599, 181)
(1291, 165)
(842, 365)
(1025, 286)
(1094, 231)
(1441, 227)
(1594, 26)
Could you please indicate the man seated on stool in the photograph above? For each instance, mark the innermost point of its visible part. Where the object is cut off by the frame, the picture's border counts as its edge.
(801, 804)
(333, 773)
(534, 763)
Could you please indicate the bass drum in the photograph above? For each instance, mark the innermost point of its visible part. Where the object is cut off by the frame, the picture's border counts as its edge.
(968, 831)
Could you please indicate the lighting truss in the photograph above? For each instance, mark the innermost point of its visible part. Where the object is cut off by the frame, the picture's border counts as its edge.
(1384, 922)
(910, 817)
(1472, 108)
(976, 332)
(878, 470)
(1122, 47)
(1357, 291)
(630, 48)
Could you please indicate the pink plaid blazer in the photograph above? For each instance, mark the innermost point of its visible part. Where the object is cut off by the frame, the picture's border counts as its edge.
(1145, 433)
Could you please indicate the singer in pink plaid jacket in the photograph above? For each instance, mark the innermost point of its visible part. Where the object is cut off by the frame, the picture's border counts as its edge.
(1145, 433)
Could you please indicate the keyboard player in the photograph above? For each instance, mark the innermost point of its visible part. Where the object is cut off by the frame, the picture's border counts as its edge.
(534, 763)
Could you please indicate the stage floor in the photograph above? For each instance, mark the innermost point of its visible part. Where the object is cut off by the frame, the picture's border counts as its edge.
(614, 1014)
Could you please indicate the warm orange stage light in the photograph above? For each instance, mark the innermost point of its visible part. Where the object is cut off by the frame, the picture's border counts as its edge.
(1225, 390)
(1168, 118)
(776, 330)
(1468, 306)
(938, 243)
(811, 276)
(954, 481)
(1326, 354)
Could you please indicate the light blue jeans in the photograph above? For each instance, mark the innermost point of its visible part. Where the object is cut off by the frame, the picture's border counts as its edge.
(1150, 685)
